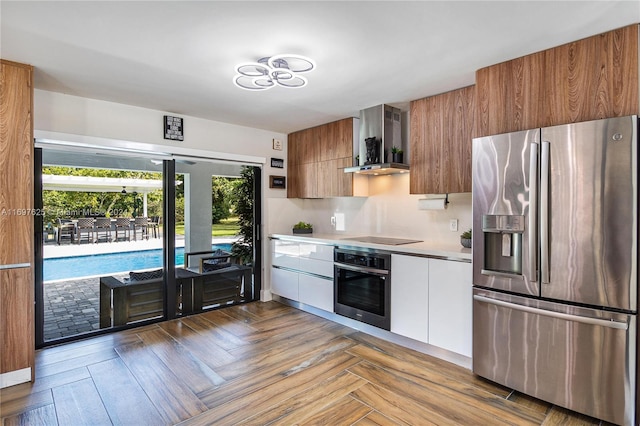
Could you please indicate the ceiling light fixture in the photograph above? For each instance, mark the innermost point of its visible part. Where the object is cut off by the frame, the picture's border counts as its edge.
(278, 70)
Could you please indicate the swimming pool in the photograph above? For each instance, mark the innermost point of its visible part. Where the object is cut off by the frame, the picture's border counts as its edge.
(61, 268)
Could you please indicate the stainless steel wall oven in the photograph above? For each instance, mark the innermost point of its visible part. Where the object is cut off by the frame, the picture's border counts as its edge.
(362, 286)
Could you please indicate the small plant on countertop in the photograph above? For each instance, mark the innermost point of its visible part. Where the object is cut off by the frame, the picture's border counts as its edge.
(303, 225)
(302, 228)
(396, 150)
(465, 239)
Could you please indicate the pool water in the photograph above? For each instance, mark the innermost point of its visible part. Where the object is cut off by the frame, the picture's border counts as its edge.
(61, 268)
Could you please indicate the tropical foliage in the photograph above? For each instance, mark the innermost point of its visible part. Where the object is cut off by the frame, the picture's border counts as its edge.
(243, 198)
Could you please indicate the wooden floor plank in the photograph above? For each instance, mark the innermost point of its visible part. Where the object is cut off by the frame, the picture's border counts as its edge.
(123, 398)
(401, 411)
(374, 419)
(438, 390)
(258, 363)
(271, 372)
(79, 403)
(262, 356)
(223, 319)
(206, 350)
(222, 337)
(430, 362)
(25, 403)
(305, 404)
(195, 373)
(345, 411)
(42, 384)
(248, 402)
(103, 354)
(171, 396)
(45, 415)
(82, 348)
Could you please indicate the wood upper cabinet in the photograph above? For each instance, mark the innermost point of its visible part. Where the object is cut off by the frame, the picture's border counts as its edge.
(16, 223)
(317, 158)
(589, 79)
(442, 127)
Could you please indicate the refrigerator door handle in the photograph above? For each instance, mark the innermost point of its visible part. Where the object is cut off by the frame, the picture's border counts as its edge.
(533, 212)
(544, 213)
(568, 317)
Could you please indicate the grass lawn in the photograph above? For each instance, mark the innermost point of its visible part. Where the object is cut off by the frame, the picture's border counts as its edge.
(226, 228)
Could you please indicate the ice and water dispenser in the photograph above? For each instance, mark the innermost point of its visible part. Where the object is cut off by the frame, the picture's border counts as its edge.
(502, 243)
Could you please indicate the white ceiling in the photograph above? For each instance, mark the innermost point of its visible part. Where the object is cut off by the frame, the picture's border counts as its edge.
(179, 56)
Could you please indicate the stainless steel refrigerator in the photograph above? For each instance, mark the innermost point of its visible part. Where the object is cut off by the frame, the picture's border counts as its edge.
(555, 227)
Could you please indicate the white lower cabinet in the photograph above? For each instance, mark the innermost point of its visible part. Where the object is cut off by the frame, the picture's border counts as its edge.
(316, 291)
(410, 296)
(284, 283)
(307, 276)
(450, 305)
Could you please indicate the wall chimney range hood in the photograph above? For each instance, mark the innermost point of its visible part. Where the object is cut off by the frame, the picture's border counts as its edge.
(380, 130)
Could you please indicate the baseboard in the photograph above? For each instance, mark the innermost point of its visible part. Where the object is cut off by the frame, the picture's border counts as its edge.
(16, 377)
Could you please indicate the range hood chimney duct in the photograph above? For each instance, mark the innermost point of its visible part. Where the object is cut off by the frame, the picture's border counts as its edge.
(380, 130)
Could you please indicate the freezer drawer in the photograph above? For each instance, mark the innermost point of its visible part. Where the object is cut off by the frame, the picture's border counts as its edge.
(578, 358)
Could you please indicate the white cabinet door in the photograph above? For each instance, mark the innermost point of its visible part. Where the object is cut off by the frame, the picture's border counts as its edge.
(284, 283)
(316, 291)
(450, 305)
(316, 251)
(410, 296)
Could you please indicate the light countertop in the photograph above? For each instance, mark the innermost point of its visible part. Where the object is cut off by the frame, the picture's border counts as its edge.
(425, 248)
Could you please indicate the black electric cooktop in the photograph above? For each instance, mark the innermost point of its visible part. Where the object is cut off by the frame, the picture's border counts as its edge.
(382, 240)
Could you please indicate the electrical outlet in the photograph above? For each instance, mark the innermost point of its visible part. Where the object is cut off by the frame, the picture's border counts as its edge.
(453, 225)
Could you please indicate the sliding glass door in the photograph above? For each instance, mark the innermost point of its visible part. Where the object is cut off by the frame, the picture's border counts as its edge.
(125, 240)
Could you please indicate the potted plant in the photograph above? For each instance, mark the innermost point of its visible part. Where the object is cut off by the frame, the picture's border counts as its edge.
(397, 154)
(465, 239)
(302, 228)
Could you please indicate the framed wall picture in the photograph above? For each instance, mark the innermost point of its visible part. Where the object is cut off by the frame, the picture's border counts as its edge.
(277, 163)
(173, 128)
(279, 182)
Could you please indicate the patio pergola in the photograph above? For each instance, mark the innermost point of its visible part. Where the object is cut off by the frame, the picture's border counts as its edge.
(102, 184)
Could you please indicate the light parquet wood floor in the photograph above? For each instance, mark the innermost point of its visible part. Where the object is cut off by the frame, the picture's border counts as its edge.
(258, 364)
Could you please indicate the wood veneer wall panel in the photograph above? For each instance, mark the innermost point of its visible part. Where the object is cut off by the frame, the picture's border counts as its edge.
(16, 163)
(16, 319)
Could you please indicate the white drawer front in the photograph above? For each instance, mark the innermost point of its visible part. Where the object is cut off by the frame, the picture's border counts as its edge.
(318, 267)
(285, 254)
(316, 251)
(316, 292)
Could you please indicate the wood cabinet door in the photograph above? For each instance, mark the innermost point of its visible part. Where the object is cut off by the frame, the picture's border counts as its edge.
(510, 96)
(593, 78)
(458, 130)
(442, 127)
(16, 164)
(589, 79)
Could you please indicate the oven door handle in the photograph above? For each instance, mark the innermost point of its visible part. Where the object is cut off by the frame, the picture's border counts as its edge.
(357, 268)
